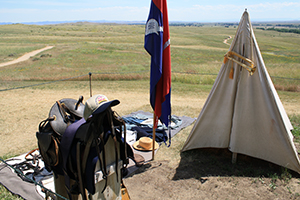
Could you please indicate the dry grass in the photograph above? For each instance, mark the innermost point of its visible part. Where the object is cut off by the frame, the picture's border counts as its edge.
(23, 109)
(290, 88)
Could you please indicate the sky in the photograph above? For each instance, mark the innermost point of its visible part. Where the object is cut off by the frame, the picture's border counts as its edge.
(18, 11)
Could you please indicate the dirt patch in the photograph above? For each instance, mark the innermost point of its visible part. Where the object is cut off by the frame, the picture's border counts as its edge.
(226, 40)
(201, 175)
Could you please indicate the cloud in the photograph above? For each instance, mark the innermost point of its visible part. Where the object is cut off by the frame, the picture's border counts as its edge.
(37, 3)
(274, 6)
(232, 12)
(119, 13)
(267, 5)
(126, 13)
(56, 11)
(17, 11)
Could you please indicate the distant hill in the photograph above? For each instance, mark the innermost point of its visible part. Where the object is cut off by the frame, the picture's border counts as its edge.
(172, 23)
(78, 21)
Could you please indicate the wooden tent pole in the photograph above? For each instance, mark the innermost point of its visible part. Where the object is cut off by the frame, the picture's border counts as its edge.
(153, 136)
(90, 77)
(234, 156)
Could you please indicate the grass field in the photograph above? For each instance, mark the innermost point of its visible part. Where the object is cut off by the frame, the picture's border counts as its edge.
(83, 47)
(115, 56)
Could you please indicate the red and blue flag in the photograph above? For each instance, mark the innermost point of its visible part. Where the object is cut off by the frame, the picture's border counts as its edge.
(157, 44)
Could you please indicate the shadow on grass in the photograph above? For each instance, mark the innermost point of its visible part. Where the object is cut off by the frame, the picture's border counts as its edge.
(207, 162)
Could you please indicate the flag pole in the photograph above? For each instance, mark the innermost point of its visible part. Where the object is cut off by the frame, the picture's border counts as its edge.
(153, 135)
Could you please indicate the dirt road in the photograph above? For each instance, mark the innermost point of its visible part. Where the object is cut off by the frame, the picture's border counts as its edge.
(26, 56)
(225, 41)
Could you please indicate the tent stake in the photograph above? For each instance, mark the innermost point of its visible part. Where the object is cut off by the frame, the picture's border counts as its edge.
(234, 156)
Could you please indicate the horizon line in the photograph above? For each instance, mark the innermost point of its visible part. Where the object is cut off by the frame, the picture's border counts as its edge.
(48, 22)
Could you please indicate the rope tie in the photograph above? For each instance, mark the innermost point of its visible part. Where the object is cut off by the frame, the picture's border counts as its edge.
(248, 65)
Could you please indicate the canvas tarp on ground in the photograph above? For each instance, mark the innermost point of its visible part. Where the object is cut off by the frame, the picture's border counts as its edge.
(243, 112)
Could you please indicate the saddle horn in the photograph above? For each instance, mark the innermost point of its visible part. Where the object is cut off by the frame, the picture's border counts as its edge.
(78, 102)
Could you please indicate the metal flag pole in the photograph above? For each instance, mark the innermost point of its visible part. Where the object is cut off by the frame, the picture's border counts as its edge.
(153, 135)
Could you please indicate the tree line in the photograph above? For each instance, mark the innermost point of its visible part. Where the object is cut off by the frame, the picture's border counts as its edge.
(284, 30)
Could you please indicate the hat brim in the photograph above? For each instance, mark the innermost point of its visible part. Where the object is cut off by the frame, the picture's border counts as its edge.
(105, 105)
(137, 146)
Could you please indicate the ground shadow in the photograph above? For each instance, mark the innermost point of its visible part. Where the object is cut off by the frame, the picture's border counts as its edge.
(207, 162)
(138, 170)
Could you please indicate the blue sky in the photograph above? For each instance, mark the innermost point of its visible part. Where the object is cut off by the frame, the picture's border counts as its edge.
(18, 11)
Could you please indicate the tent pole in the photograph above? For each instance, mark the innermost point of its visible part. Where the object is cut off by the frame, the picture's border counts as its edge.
(153, 135)
(234, 156)
(90, 77)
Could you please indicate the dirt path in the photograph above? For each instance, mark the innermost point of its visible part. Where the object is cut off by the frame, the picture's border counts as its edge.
(26, 56)
(225, 41)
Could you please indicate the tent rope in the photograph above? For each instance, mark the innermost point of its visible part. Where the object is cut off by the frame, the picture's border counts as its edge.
(250, 67)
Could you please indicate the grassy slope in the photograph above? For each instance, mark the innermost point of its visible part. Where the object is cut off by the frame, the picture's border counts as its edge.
(83, 48)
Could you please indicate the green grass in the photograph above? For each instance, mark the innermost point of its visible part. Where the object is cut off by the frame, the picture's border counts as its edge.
(81, 48)
(6, 195)
(295, 120)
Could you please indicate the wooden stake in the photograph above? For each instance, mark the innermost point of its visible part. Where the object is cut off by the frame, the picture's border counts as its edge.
(153, 136)
(90, 76)
(234, 156)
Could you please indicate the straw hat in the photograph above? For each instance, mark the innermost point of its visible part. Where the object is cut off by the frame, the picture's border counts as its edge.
(145, 144)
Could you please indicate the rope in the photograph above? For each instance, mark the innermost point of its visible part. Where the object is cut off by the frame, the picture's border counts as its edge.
(195, 73)
(41, 83)
(74, 77)
(296, 79)
(134, 72)
(36, 183)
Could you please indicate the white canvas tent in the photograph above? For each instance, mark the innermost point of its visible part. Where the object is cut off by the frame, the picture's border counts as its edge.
(243, 111)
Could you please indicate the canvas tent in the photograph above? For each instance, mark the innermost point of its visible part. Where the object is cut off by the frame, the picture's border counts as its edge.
(243, 111)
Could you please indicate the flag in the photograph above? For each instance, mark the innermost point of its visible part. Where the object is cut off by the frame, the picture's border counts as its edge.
(157, 44)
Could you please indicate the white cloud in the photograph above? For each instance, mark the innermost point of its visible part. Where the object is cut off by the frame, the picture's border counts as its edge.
(232, 12)
(108, 13)
(112, 13)
(274, 6)
(56, 11)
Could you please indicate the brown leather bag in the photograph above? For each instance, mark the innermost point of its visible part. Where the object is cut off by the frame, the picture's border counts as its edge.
(48, 144)
(61, 115)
